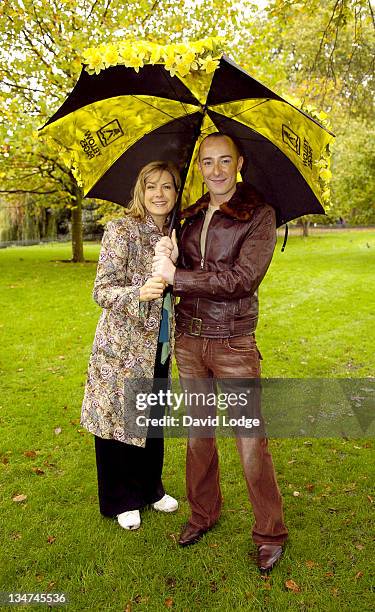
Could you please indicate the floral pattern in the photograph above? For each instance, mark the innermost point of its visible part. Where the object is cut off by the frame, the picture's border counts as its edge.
(126, 336)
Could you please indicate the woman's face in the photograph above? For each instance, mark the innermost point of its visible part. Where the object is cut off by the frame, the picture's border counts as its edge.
(160, 195)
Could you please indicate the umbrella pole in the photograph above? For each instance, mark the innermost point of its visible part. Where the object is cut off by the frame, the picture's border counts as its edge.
(184, 173)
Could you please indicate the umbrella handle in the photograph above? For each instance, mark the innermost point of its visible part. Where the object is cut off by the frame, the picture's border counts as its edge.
(175, 214)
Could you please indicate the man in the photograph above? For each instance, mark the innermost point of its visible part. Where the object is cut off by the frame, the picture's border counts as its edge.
(226, 246)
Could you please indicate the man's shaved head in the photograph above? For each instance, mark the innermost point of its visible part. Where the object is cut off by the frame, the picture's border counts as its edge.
(220, 135)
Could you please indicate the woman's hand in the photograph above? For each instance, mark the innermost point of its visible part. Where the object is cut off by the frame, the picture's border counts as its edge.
(168, 247)
(152, 289)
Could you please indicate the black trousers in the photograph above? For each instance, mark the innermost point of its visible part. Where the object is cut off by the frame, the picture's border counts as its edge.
(129, 477)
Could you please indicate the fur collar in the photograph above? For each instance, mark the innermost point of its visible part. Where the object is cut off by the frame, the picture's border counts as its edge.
(240, 206)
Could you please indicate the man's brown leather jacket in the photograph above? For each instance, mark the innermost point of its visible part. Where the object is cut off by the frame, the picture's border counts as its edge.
(218, 289)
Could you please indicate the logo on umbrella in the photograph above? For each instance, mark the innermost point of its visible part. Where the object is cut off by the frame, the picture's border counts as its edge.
(291, 139)
(110, 132)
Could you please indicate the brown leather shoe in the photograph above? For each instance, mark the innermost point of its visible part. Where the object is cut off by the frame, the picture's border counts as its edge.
(268, 556)
(191, 534)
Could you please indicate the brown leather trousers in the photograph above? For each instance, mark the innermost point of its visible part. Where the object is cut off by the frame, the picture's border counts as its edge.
(201, 362)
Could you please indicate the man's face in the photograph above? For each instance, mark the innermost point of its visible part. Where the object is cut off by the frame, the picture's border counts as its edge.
(219, 164)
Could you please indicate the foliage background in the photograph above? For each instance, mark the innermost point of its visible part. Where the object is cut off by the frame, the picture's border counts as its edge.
(321, 53)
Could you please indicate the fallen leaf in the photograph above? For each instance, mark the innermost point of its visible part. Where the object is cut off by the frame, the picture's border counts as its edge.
(51, 539)
(266, 585)
(370, 499)
(128, 607)
(359, 575)
(329, 574)
(30, 453)
(292, 586)
(296, 493)
(310, 564)
(50, 585)
(213, 586)
(335, 592)
(61, 356)
(265, 577)
(58, 431)
(310, 487)
(170, 582)
(37, 471)
(141, 599)
(332, 510)
(213, 545)
(359, 546)
(168, 602)
(16, 535)
(292, 461)
(19, 498)
(4, 460)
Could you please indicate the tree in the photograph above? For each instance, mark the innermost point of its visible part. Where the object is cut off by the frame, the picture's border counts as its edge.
(353, 174)
(325, 55)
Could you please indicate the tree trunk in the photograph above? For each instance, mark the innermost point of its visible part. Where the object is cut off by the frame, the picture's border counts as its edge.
(77, 239)
(305, 227)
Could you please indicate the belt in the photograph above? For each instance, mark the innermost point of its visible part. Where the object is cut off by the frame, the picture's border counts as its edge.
(195, 326)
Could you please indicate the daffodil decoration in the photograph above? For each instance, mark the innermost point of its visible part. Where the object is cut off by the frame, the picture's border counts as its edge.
(324, 163)
(178, 59)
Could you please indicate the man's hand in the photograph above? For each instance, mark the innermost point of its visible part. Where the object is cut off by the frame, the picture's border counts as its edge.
(168, 247)
(152, 289)
(162, 266)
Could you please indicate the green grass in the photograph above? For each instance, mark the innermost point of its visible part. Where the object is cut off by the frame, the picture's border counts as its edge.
(316, 307)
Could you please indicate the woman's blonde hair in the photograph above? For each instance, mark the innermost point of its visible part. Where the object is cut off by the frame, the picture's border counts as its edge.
(136, 207)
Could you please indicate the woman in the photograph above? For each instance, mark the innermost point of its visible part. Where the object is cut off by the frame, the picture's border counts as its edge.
(131, 340)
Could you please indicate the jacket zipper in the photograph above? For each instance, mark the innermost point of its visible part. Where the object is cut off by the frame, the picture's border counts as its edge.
(202, 261)
(203, 257)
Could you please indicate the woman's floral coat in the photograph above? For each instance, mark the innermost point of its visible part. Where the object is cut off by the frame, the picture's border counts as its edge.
(127, 332)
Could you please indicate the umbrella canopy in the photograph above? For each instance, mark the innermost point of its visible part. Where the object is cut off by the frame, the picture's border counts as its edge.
(119, 118)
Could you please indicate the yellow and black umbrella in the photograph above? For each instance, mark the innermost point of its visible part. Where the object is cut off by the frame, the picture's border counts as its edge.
(134, 103)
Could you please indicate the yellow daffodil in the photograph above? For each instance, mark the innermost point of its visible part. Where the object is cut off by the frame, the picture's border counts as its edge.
(169, 54)
(209, 64)
(325, 174)
(155, 54)
(124, 49)
(136, 61)
(94, 60)
(110, 56)
(170, 61)
(182, 68)
(188, 57)
(183, 63)
(199, 46)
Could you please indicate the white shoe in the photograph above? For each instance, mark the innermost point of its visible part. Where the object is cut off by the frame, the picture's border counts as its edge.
(130, 519)
(166, 504)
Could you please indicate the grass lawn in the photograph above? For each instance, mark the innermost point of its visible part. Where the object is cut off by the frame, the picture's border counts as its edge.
(316, 321)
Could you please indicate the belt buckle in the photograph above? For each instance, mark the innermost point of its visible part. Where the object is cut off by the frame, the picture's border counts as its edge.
(195, 327)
